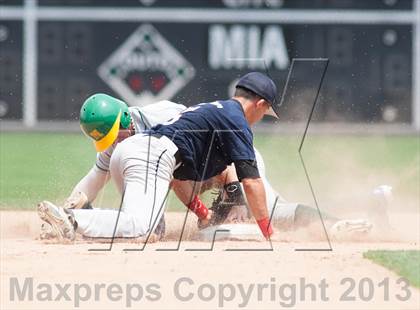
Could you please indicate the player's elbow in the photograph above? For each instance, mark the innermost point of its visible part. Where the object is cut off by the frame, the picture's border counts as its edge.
(251, 182)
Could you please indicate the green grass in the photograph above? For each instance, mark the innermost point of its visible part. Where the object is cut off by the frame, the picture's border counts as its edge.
(37, 166)
(41, 166)
(404, 263)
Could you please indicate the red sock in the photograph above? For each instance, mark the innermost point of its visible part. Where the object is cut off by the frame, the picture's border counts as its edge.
(265, 226)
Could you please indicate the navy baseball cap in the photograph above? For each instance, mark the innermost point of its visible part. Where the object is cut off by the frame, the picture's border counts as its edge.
(263, 86)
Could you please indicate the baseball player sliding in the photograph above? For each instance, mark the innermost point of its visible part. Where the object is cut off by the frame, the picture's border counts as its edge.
(230, 206)
(195, 146)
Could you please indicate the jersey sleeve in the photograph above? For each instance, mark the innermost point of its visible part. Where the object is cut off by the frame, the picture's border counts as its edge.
(246, 169)
(161, 111)
(92, 183)
(104, 158)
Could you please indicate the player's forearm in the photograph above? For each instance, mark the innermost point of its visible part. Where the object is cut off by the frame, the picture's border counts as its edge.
(92, 183)
(183, 190)
(187, 193)
(255, 194)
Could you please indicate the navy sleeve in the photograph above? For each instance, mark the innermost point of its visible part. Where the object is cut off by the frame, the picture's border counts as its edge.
(246, 169)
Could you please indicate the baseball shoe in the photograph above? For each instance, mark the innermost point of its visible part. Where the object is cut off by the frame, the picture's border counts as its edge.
(347, 229)
(47, 232)
(377, 211)
(62, 221)
(384, 192)
(160, 228)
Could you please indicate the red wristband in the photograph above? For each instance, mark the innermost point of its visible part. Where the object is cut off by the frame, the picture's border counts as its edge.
(198, 207)
(265, 226)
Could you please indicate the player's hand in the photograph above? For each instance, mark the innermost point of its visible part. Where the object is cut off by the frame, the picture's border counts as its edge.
(76, 201)
(203, 223)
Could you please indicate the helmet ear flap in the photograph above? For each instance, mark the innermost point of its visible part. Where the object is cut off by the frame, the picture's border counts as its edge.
(125, 117)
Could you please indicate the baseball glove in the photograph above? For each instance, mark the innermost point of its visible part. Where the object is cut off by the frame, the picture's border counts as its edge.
(220, 209)
(229, 205)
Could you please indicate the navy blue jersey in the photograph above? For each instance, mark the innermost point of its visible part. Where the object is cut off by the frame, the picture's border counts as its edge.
(209, 137)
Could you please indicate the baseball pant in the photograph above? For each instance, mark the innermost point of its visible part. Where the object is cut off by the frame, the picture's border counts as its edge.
(284, 211)
(141, 167)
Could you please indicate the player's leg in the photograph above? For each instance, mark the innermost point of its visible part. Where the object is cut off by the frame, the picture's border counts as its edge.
(288, 215)
(230, 203)
(118, 179)
(283, 213)
(147, 173)
(305, 216)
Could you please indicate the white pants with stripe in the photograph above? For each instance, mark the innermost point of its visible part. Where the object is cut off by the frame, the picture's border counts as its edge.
(284, 211)
(141, 167)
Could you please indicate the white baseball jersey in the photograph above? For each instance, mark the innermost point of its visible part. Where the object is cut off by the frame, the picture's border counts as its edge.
(143, 118)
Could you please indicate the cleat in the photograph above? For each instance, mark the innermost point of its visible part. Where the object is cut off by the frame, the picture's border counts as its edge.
(160, 228)
(61, 221)
(351, 228)
(47, 232)
(383, 192)
(377, 211)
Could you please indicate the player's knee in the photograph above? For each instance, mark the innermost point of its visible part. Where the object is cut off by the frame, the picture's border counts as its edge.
(130, 226)
(305, 215)
(141, 226)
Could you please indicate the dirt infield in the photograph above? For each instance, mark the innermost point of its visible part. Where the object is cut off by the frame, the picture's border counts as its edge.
(185, 279)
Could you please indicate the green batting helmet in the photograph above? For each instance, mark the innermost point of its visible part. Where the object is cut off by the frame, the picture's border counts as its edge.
(101, 117)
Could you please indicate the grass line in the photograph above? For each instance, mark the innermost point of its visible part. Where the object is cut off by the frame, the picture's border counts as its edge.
(404, 263)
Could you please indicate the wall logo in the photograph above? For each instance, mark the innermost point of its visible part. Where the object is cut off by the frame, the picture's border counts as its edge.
(146, 68)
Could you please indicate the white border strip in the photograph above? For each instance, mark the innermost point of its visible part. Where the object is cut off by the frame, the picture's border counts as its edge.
(30, 74)
(11, 12)
(208, 15)
(415, 111)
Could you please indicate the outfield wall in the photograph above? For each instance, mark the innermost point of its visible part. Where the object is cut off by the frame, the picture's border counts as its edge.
(55, 53)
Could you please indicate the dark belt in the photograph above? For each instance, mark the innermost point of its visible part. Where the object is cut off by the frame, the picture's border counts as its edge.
(178, 158)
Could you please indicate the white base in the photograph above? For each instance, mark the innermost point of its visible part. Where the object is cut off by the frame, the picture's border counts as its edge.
(231, 231)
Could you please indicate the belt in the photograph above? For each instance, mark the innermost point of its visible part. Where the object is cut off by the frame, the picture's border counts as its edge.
(171, 147)
(178, 159)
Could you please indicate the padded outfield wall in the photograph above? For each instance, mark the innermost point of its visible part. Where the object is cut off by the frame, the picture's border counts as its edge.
(53, 54)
